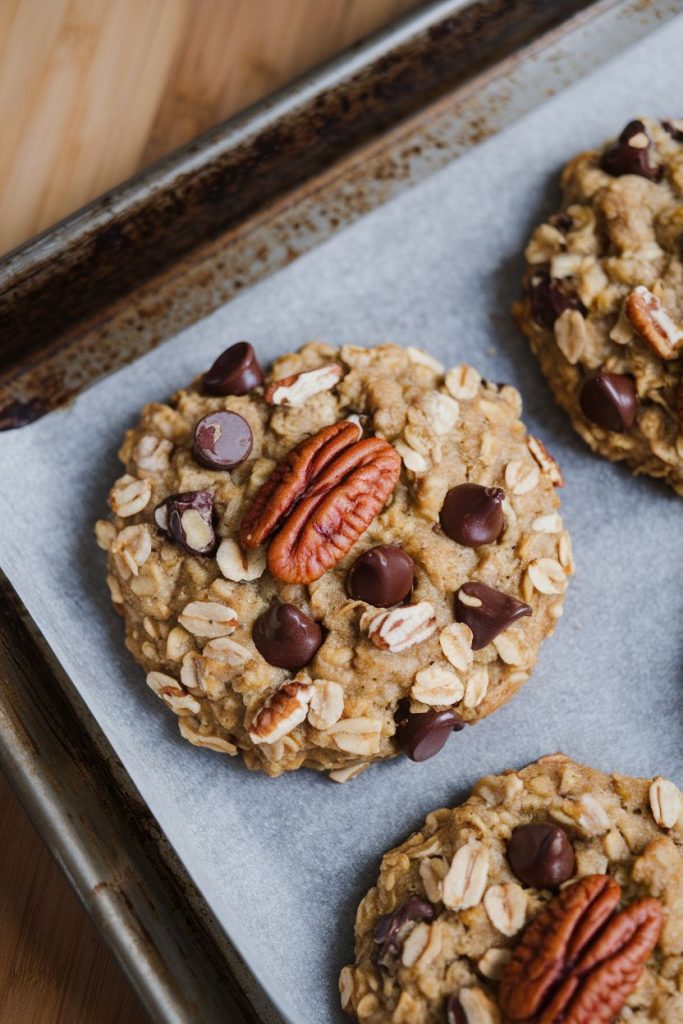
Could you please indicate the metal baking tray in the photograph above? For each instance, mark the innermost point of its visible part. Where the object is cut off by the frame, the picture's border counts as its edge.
(155, 255)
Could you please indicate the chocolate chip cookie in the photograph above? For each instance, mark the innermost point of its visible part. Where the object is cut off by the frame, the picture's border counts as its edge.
(353, 555)
(603, 302)
(553, 894)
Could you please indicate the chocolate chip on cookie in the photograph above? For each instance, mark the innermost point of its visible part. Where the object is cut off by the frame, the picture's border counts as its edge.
(235, 372)
(562, 221)
(609, 400)
(454, 1012)
(188, 518)
(541, 855)
(549, 298)
(487, 611)
(422, 734)
(286, 637)
(674, 128)
(472, 515)
(388, 932)
(222, 440)
(383, 576)
(633, 153)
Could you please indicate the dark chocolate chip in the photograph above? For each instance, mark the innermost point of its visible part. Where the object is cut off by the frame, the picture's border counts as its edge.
(609, 400)
(454, 1012)
(549, 299)
(472, 515)
(286, 637)
(222, 440)
(541, 855)
(235, 372)
(387, 934)
(382, 576)
(487, 611)
(632, 153)
(188, 518)
(562, 221)
(674, 128)
(421, 735)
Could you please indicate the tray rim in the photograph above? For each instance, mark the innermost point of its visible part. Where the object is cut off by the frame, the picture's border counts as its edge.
(215, 183)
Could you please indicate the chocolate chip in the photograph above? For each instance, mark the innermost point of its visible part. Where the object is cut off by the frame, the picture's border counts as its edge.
(454, 1012)
(632, 154)
(382, 576)
(222, 440)
(674, 128)
(188, 518)
(609, 400)
(235, 372)
(487, 611)
(541, 855)
(388, 928)
(472, 515)
(421, 735)
(562, 221)
(286, 637)
(549, 299)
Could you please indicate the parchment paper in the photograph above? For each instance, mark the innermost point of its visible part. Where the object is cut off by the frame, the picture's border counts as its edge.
(284, 863)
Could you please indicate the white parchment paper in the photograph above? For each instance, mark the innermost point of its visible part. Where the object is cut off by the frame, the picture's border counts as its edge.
(284, 863)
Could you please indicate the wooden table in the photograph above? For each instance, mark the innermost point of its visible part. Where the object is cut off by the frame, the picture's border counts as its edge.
(90, 92)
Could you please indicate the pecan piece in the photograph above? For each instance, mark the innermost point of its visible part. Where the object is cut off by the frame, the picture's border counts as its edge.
(578, 961)
(547, 463)
(295, 390)
(327, 491)
(282, 712)
(652, 322)
(402, 627)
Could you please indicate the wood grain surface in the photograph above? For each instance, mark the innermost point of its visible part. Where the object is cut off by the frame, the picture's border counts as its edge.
(90, 92)
(93, 90)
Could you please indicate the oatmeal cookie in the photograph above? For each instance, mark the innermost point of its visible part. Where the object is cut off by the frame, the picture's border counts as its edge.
(603, 303)
(351, 557)
(552, 894)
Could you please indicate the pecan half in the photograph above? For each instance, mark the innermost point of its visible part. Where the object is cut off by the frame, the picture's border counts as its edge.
(652, 322)
(578, 961)
(679, 405)
(290, 479)
(327, 491)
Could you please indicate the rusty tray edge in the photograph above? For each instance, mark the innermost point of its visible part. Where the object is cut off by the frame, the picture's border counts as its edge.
(213, 184)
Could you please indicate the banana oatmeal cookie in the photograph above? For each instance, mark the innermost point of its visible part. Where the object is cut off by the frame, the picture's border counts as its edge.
(351, 557)
(603, 304)
(553, 895)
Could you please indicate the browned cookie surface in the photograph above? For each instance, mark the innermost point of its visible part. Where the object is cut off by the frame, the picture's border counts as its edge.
(353, 557)
(553, 894)
(603, 305)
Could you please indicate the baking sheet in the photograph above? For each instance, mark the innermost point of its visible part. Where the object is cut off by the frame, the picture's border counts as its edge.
(283, 863)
